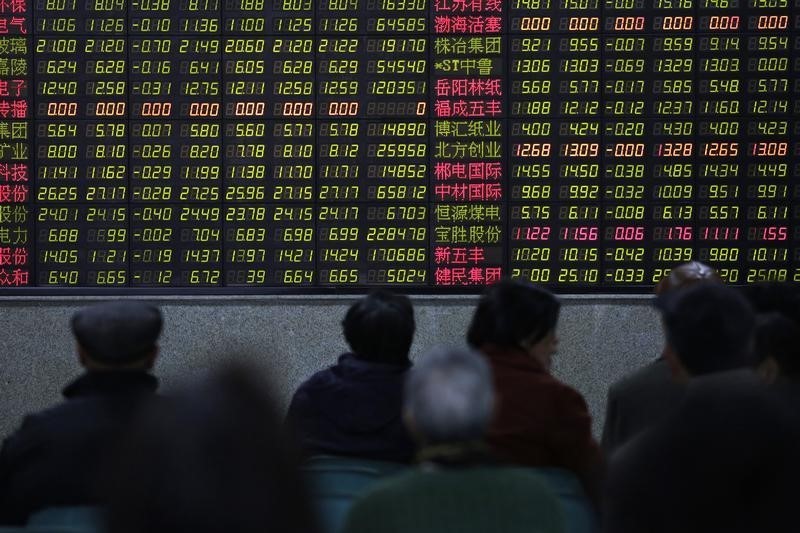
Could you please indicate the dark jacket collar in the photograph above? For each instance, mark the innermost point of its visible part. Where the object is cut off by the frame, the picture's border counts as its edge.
(352, 365)
(111, 382)
(512, 358)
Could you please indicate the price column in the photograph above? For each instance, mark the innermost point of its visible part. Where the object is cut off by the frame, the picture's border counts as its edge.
(341, 78)
(396, 143)
(578, 154)
(721, 72)
(176, 110)
(81, 143)
(534, 136)
(769, 84)
(289, 172)
(672, 128)
(468, 140)
(16, 215)
(627, 170)
(268, 174)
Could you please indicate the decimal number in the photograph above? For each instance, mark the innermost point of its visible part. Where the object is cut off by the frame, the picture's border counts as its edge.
(338, 234)
(339, 275)
(107, 277)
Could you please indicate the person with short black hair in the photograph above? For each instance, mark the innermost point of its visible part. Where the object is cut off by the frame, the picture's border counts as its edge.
(54, 458)
(353, 408)
(726, 458)
(458, 486)
(708, 328)
(540, 421)
(380, 328)
(650, 394)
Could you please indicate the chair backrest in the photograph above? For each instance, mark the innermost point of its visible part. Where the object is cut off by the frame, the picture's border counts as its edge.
(337, 481)
(81, 519)
(579, 515)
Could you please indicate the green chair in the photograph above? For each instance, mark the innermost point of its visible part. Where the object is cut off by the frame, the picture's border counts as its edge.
(336, 481)
(66, 520)
(579, 515)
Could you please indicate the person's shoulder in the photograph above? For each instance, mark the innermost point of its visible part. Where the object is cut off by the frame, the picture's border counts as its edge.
(319, 379)
(653, 373)
(40, 426)
(564, 394)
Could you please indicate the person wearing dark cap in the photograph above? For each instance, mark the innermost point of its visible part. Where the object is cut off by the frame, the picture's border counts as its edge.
(649, 394)
(54, 458)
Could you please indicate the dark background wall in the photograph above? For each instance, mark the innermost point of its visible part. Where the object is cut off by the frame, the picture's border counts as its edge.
(291, 337)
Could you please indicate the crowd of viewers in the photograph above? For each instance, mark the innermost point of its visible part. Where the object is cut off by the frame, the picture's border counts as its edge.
(705, 438)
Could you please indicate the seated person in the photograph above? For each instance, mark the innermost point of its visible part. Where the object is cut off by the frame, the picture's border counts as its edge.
(457, 488)
(354, 407)
(539, 421)
(726, 458)
(211, 459)
(648, 395)
(54, 458)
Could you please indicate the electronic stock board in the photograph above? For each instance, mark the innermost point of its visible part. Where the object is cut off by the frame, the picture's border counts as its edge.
(585, 145)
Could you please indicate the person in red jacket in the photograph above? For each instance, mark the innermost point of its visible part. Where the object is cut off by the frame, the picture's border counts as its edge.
(540, 421)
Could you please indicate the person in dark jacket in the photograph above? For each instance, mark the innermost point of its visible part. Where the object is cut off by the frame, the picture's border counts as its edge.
(540, 421)
(354, 407)
(649, 394)
(55, 457)
(726, 458)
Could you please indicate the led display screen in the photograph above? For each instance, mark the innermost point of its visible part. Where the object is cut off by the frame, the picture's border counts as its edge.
(585, 145)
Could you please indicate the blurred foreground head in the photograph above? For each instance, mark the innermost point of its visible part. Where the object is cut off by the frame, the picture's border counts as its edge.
(708, 327)
(213, 459)
(687, 274)
(449, 397)
(117, 335)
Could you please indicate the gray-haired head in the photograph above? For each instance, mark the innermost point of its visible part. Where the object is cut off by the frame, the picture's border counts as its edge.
(449, 396)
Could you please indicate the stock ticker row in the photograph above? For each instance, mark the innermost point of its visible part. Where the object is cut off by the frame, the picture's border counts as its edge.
(585, 145)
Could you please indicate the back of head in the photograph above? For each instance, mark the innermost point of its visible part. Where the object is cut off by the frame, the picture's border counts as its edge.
(778, 337)
(380, 327)
(512, 312)
(687, 274)
(769, 297)
(117, 333)
(449, 397)
(212, 459)
(709, 326)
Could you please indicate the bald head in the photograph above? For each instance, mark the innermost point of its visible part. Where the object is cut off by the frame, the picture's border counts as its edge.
(687, 274)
